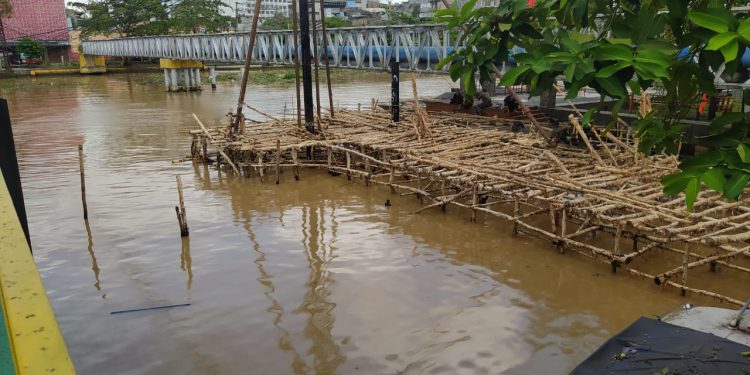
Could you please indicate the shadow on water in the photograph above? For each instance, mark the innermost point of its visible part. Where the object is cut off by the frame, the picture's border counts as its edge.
(186, 261)
(94, 264)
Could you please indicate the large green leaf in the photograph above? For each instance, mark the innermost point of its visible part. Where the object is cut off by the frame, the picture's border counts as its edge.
(466, 8)
(720, 40)
(618, 52)
(709, 21)
(733, 188)
(744, 29)
(571, 45)
(699, 164)
(570, 72)
(445, 12)
(612, 86)
(612, 69)
(654, 57)
(691, 192)
(674, 183)
(714, 179)
(730, 51)
(744, 152)
(510, 77)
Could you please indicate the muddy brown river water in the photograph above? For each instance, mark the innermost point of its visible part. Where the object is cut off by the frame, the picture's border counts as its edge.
(314, 276)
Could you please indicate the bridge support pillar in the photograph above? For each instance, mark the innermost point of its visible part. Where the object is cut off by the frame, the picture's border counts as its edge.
(181, 75)
(90, 64)
(212, 75)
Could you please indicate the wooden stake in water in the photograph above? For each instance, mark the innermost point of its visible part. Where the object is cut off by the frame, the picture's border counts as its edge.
(278, 159)
(181, 214)
(83, 182)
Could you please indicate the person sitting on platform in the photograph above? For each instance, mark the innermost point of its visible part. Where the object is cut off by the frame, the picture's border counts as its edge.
(458, 97)
(510, 104)
(486, 102)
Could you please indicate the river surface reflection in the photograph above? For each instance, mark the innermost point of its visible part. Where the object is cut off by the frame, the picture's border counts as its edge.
(314, 276)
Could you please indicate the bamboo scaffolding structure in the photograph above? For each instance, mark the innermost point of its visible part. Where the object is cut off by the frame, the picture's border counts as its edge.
(490, 170)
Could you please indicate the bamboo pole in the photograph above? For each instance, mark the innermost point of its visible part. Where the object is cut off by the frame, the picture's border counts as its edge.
(181, 213)
(581, 133)
(211, 140)
(296, 164)
(348, 165)
(278, 159)
(474, 205)
(563, 227)
(296, 62)
(316, 61)
(239, 119)
(325, 56)
(83, 183)
(260, 166)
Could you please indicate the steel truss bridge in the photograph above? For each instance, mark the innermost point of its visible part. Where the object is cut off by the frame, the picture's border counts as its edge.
(416, 47)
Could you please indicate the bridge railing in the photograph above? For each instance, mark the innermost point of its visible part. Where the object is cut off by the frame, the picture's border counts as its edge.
(418, 47)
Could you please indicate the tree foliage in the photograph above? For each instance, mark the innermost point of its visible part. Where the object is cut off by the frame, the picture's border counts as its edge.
(677, 46)
(199, 16)
(123, 17)
(6, 8)
(280, 22)
(334, 22)
(151, 17)
(30, 48)
(277, 22)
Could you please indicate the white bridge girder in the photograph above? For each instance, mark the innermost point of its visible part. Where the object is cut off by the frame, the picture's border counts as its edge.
(372, 47)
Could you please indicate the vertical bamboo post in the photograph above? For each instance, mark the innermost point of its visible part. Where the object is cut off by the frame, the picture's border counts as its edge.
(83, 183)
(260, 165)
(181, 213)
(278, 159)
(419, 184)
(205, 149)
(516, 212)
(552, 220)
(325, 55)
(296, 164)
(329, 154)
(367, 168)
(296, 62)
(348, 166)
(316, 59)
(618, 236)
(473, 204)
(685, 258)
(563, 228)
(442, 192)
(359, 107)
(390, 178)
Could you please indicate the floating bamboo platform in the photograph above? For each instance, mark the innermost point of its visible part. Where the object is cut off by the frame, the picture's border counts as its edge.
(602, 200)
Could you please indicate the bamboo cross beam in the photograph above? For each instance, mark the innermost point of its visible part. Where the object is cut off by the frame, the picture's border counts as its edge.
(667, 275)
(213, 143)
(580, 131)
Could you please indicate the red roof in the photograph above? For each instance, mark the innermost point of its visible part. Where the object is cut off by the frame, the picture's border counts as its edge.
(43, 20)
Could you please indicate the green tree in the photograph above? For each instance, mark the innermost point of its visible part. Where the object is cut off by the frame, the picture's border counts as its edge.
(199, 16)
(123, 17)
(277, 22)
(6, 8)
(678, 46)
(334, 22)
(30, 47)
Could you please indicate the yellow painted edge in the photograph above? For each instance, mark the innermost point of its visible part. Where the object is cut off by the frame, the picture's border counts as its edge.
(178, 64)
(36, 340)
(35, 72)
